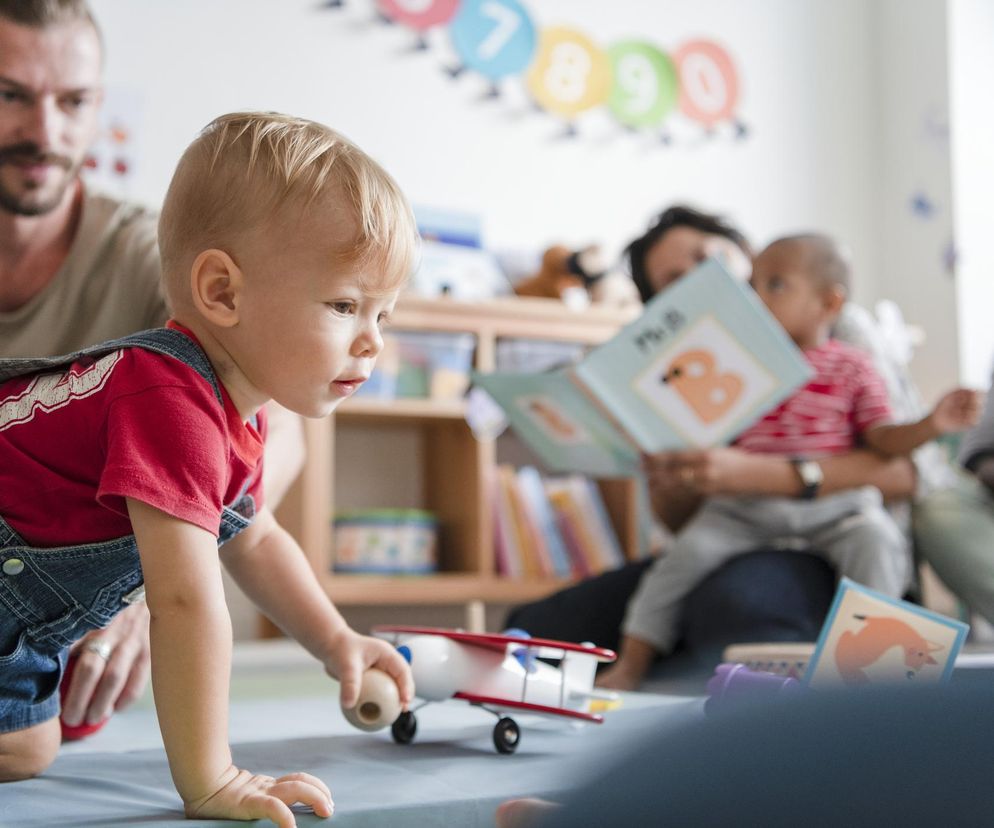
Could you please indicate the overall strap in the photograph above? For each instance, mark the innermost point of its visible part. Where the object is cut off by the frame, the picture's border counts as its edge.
(164, 341)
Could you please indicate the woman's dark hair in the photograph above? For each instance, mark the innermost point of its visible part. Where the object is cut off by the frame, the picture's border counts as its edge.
(676, 216)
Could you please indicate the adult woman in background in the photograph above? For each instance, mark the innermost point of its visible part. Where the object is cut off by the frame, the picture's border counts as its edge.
(768, 595)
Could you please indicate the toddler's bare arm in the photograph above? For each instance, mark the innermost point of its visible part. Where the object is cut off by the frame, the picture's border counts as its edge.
(190, 633)
(956, 411)
(271, 567)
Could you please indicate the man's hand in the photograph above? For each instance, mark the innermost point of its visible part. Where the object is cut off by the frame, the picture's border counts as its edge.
(100, 686)
(243, 795)
(958, 410)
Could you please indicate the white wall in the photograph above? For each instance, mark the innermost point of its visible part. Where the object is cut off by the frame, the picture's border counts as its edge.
(845, 101)
(911, 150)
(971, 35)
(804, 66)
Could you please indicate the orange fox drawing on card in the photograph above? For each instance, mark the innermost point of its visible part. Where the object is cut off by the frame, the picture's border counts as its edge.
(693, 375)
(858, 650)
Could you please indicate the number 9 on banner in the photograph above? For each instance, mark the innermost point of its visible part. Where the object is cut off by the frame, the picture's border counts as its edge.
(709, 87)
(645, 87)
(493, 37)
(570, 74)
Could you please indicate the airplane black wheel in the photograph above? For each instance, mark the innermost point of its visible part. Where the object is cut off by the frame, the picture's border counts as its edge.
(404, 728)
(506, 735)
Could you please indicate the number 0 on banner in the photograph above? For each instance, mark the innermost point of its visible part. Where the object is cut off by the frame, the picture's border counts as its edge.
(570, 74)
(709, 87)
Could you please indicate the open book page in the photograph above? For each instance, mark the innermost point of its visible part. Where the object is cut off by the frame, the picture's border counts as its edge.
(702, 363)
(557, 421)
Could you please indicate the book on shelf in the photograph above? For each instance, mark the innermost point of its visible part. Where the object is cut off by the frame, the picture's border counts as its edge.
(524, 564)
(702, 363)
(539, 510)
(507, 553)
(551, 527)
(581, 508)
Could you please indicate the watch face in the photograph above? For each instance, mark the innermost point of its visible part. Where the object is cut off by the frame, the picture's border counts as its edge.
(810, 472)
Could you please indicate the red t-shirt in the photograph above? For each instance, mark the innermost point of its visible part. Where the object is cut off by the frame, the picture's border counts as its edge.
(845, 398)
(75, 443)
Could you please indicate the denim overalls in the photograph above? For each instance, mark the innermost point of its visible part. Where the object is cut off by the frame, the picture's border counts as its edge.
(51, 597)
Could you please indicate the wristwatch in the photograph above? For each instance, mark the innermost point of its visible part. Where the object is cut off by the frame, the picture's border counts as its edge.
(811, 476)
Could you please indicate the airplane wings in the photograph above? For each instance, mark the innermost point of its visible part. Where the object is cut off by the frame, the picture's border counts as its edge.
(540, 709)
(541, 647)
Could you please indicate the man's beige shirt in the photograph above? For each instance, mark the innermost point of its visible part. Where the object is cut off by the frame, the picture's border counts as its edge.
(107, 287)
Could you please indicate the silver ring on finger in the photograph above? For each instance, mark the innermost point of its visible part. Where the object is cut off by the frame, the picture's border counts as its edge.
(101, 647)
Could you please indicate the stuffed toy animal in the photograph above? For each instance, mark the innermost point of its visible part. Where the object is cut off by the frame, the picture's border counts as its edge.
(578, 277)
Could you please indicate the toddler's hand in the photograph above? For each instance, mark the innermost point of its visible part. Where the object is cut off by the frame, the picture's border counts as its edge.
(957, 411)
(250, 796)
(352, 654)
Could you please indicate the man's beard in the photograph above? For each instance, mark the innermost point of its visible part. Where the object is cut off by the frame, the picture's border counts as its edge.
(23, 203)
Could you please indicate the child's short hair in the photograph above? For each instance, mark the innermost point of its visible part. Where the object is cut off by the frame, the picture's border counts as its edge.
(246, 168)
(824, 259)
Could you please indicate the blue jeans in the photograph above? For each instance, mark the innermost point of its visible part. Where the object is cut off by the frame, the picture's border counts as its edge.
(51, 597)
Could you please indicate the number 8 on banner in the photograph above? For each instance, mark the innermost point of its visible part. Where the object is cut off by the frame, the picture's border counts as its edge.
(570, 74)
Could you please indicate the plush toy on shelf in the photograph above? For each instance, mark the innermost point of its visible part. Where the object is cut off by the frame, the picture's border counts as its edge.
(579, 277)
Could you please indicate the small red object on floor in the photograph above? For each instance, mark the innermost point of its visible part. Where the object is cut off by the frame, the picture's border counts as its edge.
(71, 733)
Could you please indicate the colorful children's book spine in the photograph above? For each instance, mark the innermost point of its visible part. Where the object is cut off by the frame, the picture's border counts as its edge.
(509, 560)
(603, 530)
(533, 527)
(533, 490)
(604, 541)
(530, 566)
(563, 493)
(561, 504)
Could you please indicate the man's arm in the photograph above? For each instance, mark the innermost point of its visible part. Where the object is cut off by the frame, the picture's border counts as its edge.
(271, 568)
(190, 633)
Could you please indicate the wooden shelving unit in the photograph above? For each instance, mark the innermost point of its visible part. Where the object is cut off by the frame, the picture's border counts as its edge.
(457, 469)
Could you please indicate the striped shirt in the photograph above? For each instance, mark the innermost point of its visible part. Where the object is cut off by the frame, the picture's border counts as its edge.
(845, 398)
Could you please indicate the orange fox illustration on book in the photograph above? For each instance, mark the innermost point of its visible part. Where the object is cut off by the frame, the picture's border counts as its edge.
(857, 651)
(692, 374)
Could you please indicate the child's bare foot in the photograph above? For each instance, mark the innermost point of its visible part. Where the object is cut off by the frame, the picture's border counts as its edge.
(618, 678)
(523, 813)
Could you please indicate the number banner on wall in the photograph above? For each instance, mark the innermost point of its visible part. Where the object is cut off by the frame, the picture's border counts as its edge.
(567, 74)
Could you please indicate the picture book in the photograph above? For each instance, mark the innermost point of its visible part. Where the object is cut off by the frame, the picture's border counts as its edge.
(869, 638)
(702, 363)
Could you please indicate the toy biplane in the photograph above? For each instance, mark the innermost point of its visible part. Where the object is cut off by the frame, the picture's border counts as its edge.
(498, 673)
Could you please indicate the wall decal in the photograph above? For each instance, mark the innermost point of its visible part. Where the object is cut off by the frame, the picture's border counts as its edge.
(567, 74)
(420, 15)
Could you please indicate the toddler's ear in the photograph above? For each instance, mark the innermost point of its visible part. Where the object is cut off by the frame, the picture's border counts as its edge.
(835, 298)
(216, 283)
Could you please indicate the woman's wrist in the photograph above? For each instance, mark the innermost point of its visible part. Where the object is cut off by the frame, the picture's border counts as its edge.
(765, 474)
